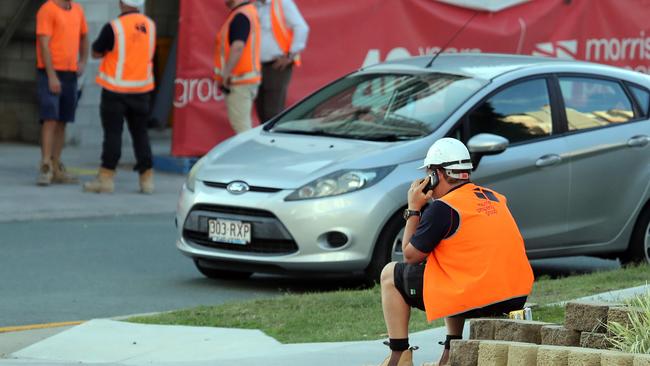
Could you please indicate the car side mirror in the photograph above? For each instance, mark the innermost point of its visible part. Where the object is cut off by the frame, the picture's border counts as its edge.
(486, 144)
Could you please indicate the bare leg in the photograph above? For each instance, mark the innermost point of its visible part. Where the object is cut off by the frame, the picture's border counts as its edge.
(59, 141)
(454, 328)
(47, 140)
(396, 311)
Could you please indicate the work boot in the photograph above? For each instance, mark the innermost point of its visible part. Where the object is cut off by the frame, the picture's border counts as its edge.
(146, 182)
(103, 183)
(44, 175)
(405, 359)
(61, 174)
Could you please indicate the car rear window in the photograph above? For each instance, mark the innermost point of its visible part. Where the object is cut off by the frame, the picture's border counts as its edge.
(591, 103)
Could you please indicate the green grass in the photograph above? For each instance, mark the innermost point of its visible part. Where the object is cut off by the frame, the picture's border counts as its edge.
(348, 315)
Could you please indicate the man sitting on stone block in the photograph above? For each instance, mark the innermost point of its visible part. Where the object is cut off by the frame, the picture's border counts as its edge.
(463, 254)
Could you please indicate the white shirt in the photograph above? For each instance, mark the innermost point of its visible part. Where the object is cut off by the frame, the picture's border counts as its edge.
(270, 49)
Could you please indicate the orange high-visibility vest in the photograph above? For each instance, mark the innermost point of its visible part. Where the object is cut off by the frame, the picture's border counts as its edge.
(282, 33)
(128, 67)
(483, 263)
(247, 70)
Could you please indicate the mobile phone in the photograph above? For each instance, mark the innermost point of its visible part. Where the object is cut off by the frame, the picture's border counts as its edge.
(433, 181)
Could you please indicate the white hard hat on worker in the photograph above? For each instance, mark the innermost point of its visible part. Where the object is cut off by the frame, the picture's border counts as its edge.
(133, 3)
(451, 155)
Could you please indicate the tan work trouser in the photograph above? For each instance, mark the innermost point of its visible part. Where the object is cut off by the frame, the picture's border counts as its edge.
(240, 105)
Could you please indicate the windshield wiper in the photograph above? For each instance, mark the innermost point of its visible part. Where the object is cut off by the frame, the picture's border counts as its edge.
(315, 133)
(390, 137)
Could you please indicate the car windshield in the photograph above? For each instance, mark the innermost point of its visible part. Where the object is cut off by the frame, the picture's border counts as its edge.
(380, 107)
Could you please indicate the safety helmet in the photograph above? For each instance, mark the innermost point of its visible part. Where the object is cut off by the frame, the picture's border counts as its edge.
(133, 3)
(449, 154)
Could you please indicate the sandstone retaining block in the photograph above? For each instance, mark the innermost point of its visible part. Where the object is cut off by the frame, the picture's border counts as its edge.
(586, 316)
(641, 360)
(522, 354)
(481, 328)
(527, 331)
(585, 357)
(553, 356)
(464, 353)
(493, 353)
(594, 340)
(614, 358)
(620, 315)
(557, 335)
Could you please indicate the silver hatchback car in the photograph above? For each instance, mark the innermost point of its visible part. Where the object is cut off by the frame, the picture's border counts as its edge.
(321, 187)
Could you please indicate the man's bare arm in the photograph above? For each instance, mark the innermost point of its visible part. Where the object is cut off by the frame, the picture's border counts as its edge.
(83, 53)
(53, 79)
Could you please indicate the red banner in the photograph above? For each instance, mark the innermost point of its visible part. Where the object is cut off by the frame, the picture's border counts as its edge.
(346, 35)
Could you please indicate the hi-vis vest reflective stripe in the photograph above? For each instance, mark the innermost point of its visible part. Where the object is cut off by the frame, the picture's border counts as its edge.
(247, 70)
(128, 67)
(283, 35)
(483, 263)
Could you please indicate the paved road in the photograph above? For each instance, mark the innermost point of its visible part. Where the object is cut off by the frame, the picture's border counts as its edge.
(78, 269)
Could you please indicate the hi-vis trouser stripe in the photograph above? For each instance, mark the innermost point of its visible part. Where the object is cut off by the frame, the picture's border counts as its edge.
(120, 42)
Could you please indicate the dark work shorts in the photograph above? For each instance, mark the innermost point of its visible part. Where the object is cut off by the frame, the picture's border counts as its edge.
(57, 107)
(409, 281)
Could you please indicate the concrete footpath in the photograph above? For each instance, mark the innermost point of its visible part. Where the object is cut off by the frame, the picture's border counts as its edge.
(21, 199)
(114, 342)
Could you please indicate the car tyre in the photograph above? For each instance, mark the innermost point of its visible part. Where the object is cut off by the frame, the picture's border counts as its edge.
(383, 252)
(221, 274)
(639, 248)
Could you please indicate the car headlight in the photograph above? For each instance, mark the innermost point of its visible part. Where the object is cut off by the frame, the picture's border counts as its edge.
(190, 182)
(340, 182)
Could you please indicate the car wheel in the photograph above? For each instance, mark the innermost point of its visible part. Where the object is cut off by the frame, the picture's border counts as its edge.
(387, 249)
(221, 274)
(639, 249)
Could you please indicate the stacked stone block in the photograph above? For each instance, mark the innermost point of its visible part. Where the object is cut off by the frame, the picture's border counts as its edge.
(558, 335)
(614, 358)
(522, 354)
(585, 357)
(553, 356)
(464, 352)
(641, 360)
(527, 331)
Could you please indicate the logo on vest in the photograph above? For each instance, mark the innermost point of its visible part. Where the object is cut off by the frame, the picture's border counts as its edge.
(485, 206)
(141, 27)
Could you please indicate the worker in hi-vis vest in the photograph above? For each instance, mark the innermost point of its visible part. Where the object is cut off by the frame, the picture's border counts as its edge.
(237, 62)
(463, 254)
(284, 37)
(126, 46)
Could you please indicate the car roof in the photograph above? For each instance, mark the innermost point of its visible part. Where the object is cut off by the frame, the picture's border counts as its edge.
(477, 65)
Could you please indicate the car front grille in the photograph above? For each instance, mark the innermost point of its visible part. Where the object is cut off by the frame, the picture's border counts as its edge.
(268, 235)
(252, 188)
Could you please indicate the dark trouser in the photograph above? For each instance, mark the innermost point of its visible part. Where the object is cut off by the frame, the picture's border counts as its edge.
(114, 108)
(272, 95)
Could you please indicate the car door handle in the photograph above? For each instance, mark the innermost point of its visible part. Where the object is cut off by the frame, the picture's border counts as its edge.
(638, 141)
(548, 160)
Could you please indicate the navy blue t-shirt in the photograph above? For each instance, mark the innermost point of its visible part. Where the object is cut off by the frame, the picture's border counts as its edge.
(439, 221)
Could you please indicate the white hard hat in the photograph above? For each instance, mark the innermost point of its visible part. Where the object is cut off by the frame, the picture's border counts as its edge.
(133, 3)
(448, 153)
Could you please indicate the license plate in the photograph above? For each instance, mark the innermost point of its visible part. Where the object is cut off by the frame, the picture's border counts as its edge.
(229, 231)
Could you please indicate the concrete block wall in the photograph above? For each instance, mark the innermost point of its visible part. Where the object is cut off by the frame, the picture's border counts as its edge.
(517, 342)
(17, 75)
